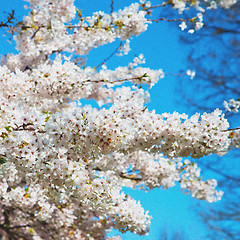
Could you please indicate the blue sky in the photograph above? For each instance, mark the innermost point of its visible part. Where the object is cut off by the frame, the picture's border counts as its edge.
(171, 209)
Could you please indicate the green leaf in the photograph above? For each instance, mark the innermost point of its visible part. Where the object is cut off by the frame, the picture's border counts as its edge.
(2, 159)
(8, 128)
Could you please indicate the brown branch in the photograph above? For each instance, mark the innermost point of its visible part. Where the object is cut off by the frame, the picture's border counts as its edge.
(96, 24)
(20, 226)
(155, 6)
(9, 20)
(173, 20)
(109, 57)
(111, 6)
(24, 126)
(119, 80)
(34, 34)
(130, 176)
(231, 129)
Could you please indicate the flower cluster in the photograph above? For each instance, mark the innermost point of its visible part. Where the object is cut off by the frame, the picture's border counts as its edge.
(232, 105)
(201, 190)
(183, 5)
(235, 137)
(47, 30)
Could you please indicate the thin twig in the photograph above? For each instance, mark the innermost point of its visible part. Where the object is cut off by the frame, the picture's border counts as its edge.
(231, 129)
(112, 8)
(110, 56)
(172, 20)
(156, 6)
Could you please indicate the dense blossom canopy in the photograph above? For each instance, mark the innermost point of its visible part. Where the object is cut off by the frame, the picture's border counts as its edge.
(63, 165)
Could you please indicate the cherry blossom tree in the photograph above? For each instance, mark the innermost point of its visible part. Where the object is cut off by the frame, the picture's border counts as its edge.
(63, 165)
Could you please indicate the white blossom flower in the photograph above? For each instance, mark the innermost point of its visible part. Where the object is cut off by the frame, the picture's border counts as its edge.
(183, 26)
